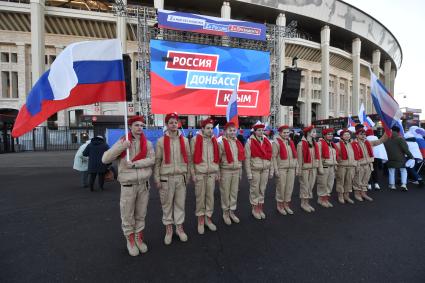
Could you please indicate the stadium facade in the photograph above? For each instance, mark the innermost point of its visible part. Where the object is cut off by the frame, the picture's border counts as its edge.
(335, 43)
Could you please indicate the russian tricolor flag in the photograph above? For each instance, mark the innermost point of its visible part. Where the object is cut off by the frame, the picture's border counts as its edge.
(385, 105)
(364, 119)
(351, 122)
(232, 109)
(84, 73)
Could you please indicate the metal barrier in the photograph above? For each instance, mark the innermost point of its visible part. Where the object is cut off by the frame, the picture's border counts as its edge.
(45, 139)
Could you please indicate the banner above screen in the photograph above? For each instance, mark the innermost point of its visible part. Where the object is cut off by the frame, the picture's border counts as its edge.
(210, 25)
(199, 79)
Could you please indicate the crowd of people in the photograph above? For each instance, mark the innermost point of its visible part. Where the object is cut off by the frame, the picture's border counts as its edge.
(346, 159)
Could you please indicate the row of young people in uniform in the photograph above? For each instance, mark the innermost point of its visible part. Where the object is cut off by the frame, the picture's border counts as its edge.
(205, 161)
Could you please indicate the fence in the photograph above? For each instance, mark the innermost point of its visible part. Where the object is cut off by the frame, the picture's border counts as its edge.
(43, 138)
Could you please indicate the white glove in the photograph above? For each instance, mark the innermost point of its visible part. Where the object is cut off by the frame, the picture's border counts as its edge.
(410, 163)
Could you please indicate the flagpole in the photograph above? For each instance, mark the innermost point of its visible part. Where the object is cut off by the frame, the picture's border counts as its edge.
(126, 129)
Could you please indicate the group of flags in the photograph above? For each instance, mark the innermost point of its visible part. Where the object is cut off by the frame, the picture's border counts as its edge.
(92, 71)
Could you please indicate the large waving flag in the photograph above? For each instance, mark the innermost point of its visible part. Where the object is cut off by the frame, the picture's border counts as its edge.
(232, 109)
(385, 105)
(84, 73)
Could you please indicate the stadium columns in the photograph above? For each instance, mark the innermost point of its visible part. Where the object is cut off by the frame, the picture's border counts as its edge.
(387, 74)
(122, 30)
(226, 14)
(324, 46)
(356, 75)
(376, 60)
(37, 38)
(337, 98)
(283, 115)
(158, 4)
(392, 80)
(225, 10)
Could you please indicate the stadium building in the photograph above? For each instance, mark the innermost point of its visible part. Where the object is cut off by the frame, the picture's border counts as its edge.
(335, 43)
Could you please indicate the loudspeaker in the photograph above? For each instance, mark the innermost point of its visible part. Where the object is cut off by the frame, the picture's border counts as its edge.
(290, 87)
(127, 76)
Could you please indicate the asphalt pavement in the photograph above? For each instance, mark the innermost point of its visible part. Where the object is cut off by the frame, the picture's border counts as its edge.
(52, 230)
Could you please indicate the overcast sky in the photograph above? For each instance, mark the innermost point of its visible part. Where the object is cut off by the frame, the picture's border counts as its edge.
(406, 20)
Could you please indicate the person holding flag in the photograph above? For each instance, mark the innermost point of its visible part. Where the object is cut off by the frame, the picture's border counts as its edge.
(308, 166)
(365, 159)
(172, 163)
(258, 153)
(380, 156)
(284, 166)
(232, 155)
(329, 160)
(205, 172)
(136, 158)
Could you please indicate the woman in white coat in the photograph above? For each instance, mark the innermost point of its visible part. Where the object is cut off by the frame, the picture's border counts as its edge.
(81, 164)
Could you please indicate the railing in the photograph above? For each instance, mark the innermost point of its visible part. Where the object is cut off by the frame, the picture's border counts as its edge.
(43, 138)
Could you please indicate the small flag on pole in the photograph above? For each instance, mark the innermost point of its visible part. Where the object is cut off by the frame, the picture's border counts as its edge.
(216, 130)
(351, 122)
(232, 109)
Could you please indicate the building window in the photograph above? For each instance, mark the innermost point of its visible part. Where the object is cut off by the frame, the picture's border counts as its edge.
(52, 121)
(341, 103)
(5, 82)
(14, 58)
(4, 57)
(75, 117)
(302, 79)
(46, 60)
(302, 92)
(52, 58)
(15, 85)
(342, 86)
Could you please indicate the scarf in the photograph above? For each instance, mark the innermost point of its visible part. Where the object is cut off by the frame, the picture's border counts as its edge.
(283, 152)
(143, 147)
(167, 149)
(263, 151)
(369, 148)
(306, 151)
(197, 154)
(228, 151)
(326, 154)
(344, 153)
(358, 154)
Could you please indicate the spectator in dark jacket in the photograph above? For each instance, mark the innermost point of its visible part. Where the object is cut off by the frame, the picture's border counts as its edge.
(397, 151)
(95, 151)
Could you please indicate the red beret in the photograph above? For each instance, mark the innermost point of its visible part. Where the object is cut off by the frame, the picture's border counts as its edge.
(171, 115)
(308, 129)
(133, 119)
(206, 122)
(259, 126)
(283, 127)
(344, 131)
(229, 124)
(327, 131)
(369, 132)
(360, 131)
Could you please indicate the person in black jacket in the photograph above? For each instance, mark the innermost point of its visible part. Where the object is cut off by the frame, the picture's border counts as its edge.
(95, 151)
